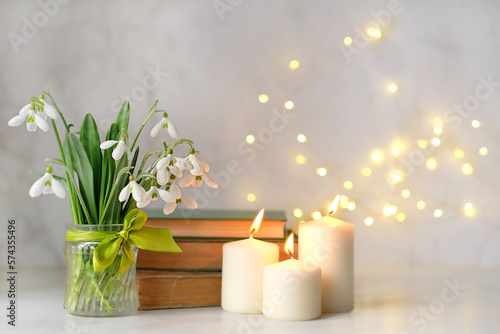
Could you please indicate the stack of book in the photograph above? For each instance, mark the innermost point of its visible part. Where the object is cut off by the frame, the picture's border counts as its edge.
(193, 278)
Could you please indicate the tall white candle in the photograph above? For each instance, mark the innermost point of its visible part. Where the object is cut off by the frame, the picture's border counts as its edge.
(243, 262)
(292, 289)
(329, 243)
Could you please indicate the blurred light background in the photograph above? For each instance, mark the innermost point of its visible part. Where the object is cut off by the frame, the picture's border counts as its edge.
(393, 104)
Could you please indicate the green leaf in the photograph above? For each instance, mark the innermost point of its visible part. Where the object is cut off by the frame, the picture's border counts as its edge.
(89, 137)
(154, 239)
(123, 117)
(78, 162)
(112, 132)
(118, 215)
(131, 202)
(107, 179)
(75, 206)
(136, 156)
(108, 174)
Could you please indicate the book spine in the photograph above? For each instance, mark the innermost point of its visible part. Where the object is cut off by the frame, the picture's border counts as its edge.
(199, 256)
(166, 289)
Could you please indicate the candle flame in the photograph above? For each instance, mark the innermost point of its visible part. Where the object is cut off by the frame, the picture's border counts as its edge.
(334, 206)
(256, 222)
(289, 245)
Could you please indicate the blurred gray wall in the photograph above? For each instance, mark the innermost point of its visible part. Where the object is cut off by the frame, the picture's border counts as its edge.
(208, 61)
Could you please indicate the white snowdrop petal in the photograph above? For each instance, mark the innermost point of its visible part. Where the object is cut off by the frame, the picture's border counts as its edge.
(155, 131)
(18, 120)
(189, 202)
(162, 177)
(204, 165)
(58, 188)
(108, 143)
(41, 123)
(138, 192)
(172, 131)
(124, 194)
(175, 190)
(166, 196)
(37, 187)
(210, 181)
(49, 110)
(187, 180)
(169, 208)
(119, 150)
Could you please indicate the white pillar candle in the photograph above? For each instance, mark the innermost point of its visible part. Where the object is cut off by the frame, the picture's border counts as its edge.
(292, 290)
(243, 262)
(329, 243)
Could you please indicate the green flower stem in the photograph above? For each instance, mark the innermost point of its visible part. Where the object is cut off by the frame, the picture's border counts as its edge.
(74, 289)
(89, 272)
(75, 212)
(151, 112)
(72, 185)
(82, 202)
(112, 193)
(58, 110)
(146, 157)
(83, 272)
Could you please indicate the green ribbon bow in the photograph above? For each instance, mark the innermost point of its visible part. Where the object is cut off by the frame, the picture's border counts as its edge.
(133, 232)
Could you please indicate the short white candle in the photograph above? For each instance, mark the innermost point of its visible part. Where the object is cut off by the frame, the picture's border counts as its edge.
(243, 262)
(292, 290)
(329, 243)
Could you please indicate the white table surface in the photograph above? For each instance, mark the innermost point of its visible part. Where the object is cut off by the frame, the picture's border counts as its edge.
(389, 300)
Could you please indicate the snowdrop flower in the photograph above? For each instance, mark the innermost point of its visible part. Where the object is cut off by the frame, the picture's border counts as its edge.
(47, 109)
(199, 165)
(187, 200)
(197, 168)
(151, 196)
(47, 184)
(197, 180)
(119, 149)
(183, 163)
(167, 165)
(35, 116)
(180, 165)
(33, 119)
(138, 192)
(165, 124)
(173, 197)
(172, 189)
(166, 196)
(166, 161)
(162, 167)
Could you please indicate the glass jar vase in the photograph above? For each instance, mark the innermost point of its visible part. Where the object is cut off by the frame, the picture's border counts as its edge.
(98, 293)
